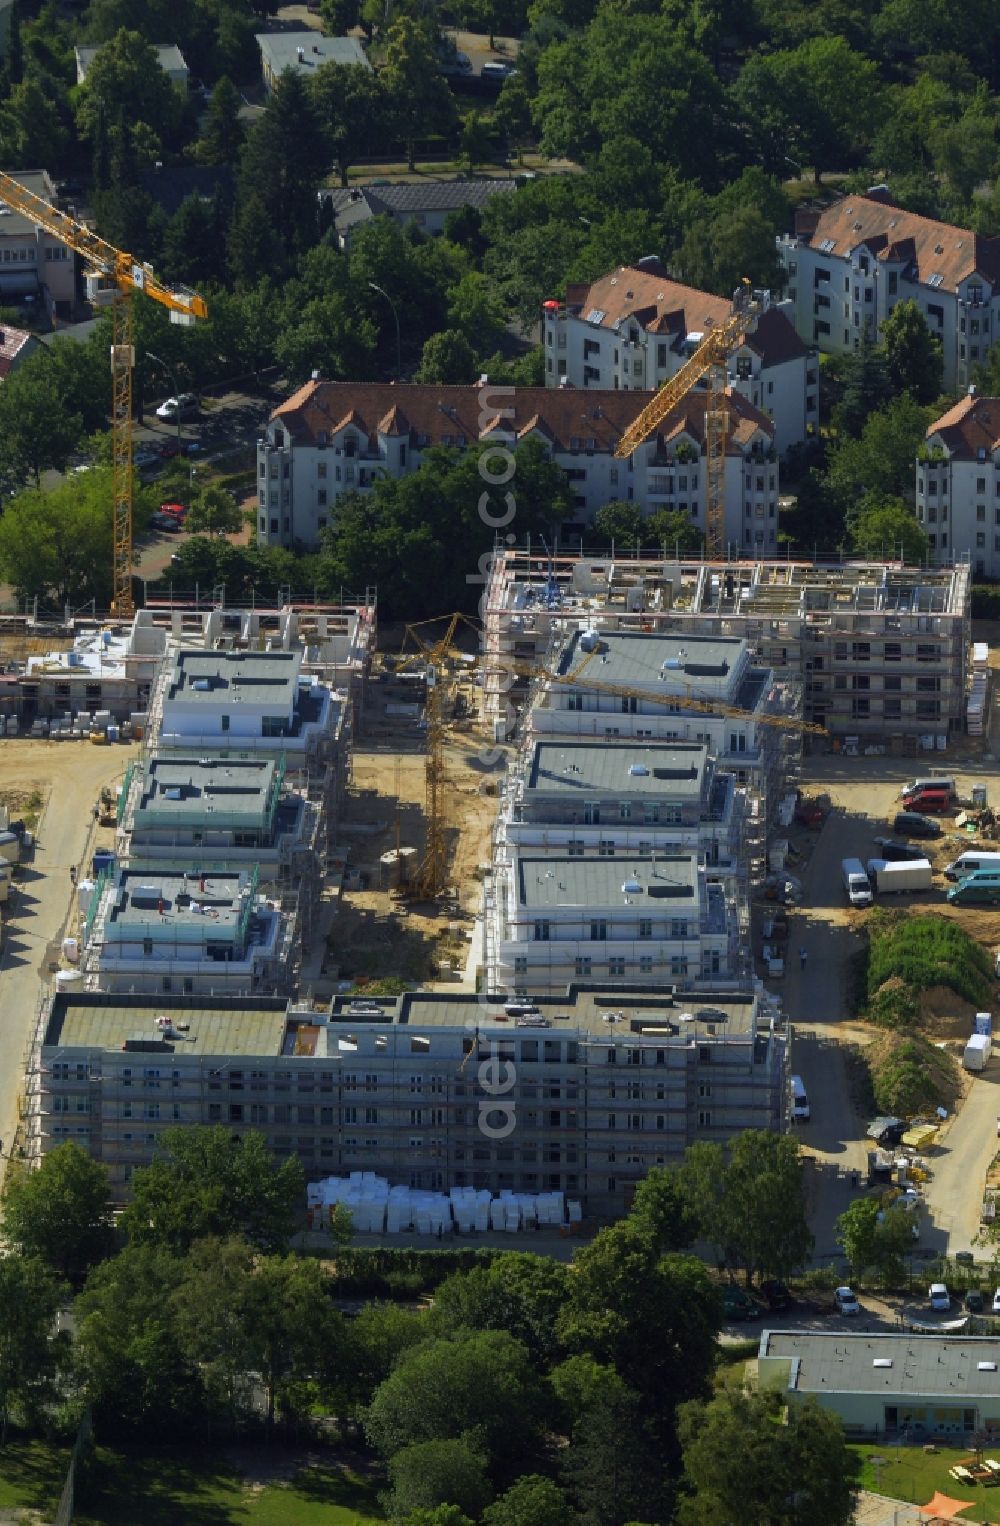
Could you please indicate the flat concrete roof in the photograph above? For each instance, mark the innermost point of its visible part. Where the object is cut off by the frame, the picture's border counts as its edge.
(281, 50)
(696, 666)
(657, 1013)
(182, 788)
(572, 768)
(234, 678)
(168, 56)
(664, 882)
(923, 1366)
(211, 902)
(96, 1020)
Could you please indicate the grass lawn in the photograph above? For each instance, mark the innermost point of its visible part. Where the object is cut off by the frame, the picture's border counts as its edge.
(32, 1474)
(910, 1473)
(163, 1488)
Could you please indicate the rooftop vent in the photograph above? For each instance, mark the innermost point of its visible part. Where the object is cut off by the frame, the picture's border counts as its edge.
(631, 886)
(638, 770)
(987, 1366)
(882, 1361)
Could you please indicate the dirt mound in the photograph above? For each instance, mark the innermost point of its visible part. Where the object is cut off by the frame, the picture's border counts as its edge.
(943, 1015)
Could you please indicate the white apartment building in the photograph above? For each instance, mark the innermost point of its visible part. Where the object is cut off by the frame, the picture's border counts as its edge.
(958, 485)
(246, 700)
(634, 328)
(590, 800)
(848, 266)
(337, 437)
(640, 920)
(622, 684)
(33, 264)
(196, 933)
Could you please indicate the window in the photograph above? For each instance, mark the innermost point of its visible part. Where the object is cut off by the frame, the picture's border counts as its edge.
(541, 932)
(645, 927)
(582, 966)
(616, 967)
(598, 931)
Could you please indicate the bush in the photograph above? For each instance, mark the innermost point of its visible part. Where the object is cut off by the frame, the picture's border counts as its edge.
(910, 1075)
(399, 1274)
(986, 601)
(920, 952)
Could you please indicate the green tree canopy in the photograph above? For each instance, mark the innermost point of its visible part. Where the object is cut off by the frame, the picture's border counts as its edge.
(57, 545)
(126, 86)
(39, 428)
(354, 111)
(532, 1501)
(480, 1382)
(206, 1182)
(749, 1202)
(913, 354)
(516, 1292)
(32, 1352)
(447, 357)
(283, 161)
(421, 101)
(429, 1474)
(817, 103)
(881, 460)
(61, 1212)
(884, 527)
(214, 511)
(222, 130)
(785, 1474)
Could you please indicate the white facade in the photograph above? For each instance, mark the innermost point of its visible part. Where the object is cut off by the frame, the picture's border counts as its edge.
(249, 701)
(32, 262)
(958, 485)
(848, 267)
(644, 920)
(373, 430)
(634, 330)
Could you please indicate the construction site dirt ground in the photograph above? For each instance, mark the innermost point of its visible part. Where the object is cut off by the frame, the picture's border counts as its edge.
(375, 936)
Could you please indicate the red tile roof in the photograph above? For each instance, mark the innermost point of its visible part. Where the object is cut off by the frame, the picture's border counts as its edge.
(443, 415)
(892, 234)
(971, 426)
(12, 342)
(662, 306)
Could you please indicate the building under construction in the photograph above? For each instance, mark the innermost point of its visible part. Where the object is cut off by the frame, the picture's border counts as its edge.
(880, 651)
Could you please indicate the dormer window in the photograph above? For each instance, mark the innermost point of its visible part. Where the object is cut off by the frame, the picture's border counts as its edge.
(350, 445)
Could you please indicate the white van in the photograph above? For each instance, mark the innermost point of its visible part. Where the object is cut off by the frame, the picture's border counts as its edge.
(856, 882)
(800, 1102)
(969, 863)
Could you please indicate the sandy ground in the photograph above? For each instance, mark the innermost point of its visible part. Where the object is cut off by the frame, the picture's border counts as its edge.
(69, 775)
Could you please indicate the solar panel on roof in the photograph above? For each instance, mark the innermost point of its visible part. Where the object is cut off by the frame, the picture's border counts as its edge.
(596, 315)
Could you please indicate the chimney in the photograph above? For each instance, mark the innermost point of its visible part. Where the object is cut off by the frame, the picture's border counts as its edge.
(300, 54)
(315, 47)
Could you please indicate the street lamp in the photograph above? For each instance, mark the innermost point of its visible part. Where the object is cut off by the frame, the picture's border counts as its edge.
(172, 371)
(383, 293)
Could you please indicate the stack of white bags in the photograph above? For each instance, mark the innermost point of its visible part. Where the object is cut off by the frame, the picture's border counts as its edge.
(377, 1208)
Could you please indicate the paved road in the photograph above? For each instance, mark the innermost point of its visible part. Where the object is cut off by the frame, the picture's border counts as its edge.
(954, 1193)
(41, 904)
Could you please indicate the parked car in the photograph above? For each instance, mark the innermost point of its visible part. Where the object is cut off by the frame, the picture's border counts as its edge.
(495, 69)
(776, 1294)
(456, 63)
(911, 824)
(940, 1297)
(168, 449)
(168, 522)
(996, 1301)
(736, 1304)
(809, 813)
(974, 1301)
(178, 510)
(897, 852)
(183, 406)
(846, 1301)
(143, 458)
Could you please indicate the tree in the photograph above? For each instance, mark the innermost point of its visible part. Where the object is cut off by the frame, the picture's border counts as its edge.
(128, 1350)
(447, 357)
(31, 127)
(660, 1213)
(913, 354)
(750, 1204)
(516, 1292)
(353, 109)
(786, 1474)
(885, 527)
(293, 1334)
(865, 386)
(432, 1473)
(38, 430)
(339, 17)
(479, 1382)
(817, 102)
(476, 311)
(441, 1515)
(881, 460)
(283, 161)
(476, 140)
(614, 1465)
(214, 512)
(378, 1337)
(222, 130)
(194, 241)
(619, 524)
(31, 1350)
(653, 1318)
(421, 100)
(60, 1213)
(532, 1501)
(204, 1182)
(57, 545)
(126, 86)
(673, 528)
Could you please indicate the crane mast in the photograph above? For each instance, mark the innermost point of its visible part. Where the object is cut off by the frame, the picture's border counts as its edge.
(709, 359)
(128, 275)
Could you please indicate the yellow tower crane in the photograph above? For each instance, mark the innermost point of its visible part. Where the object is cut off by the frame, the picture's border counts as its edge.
(708, 359)
(435, 656)
(128, 275)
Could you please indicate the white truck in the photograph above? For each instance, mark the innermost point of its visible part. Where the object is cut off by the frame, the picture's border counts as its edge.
(900, 874)
(977, 1053)
(856, 883)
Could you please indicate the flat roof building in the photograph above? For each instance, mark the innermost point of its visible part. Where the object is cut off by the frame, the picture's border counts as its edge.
(304, 52)
(871, 650)
(147, 929)
(643, 918)
(888, 1383)
(398, 1086)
